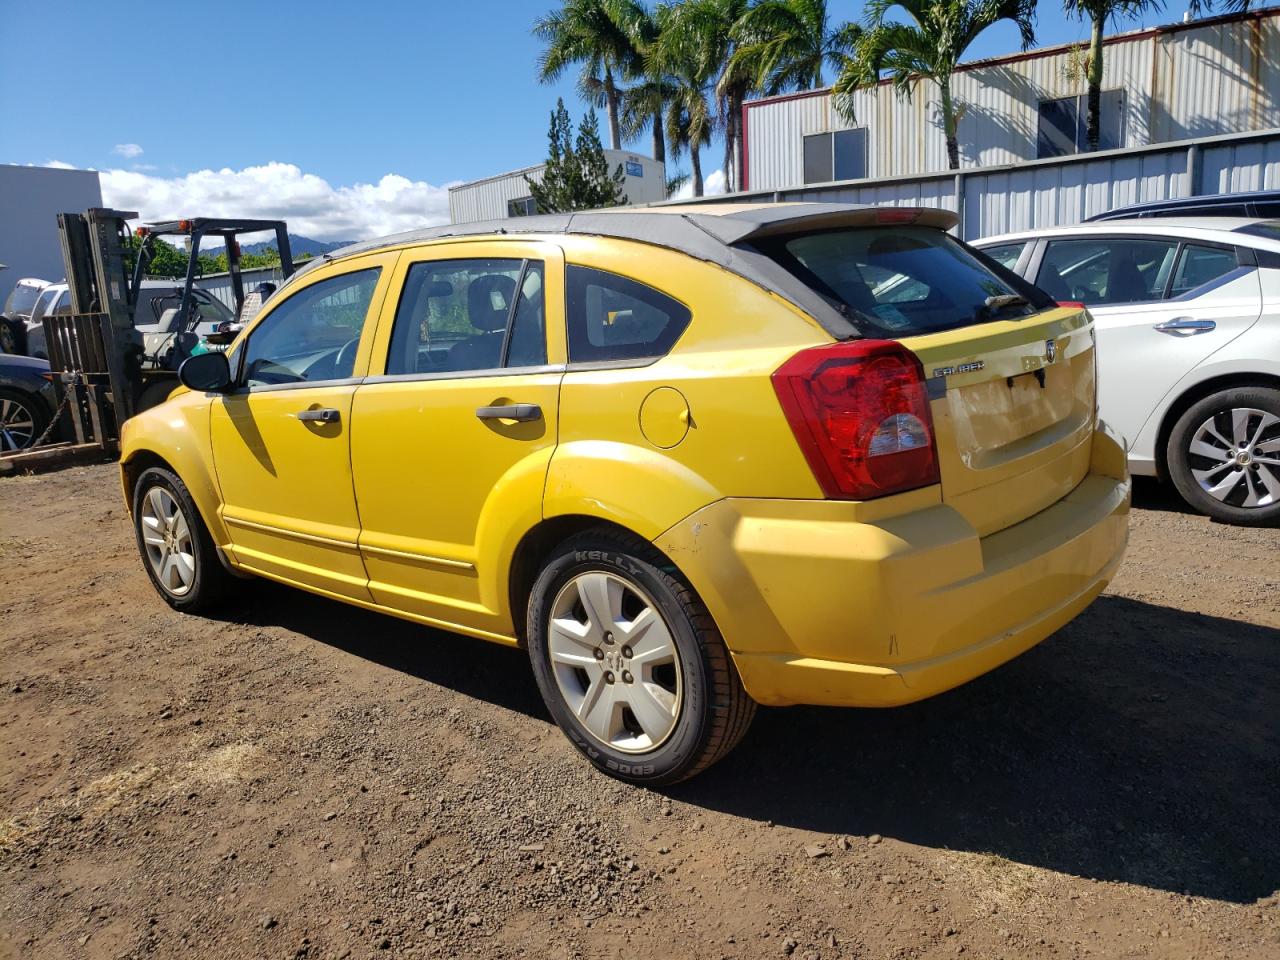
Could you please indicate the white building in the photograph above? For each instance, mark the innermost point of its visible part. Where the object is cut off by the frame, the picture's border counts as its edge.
(30, 200)
(507, 195)
(1181, 82)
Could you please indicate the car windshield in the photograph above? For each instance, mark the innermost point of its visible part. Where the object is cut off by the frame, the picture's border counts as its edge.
(900, 281)
(21, 299)
(1270, 229)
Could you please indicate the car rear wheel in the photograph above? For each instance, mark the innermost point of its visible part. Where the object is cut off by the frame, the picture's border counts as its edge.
(630, 663)
(1224, 456)
(177, 551)
(22, 420)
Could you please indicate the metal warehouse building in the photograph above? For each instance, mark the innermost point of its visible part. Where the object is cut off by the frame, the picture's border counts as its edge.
(1188, 80)
(30, 200)
(507, 195)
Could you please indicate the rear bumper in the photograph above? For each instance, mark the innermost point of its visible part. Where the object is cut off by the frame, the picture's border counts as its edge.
(843, 604)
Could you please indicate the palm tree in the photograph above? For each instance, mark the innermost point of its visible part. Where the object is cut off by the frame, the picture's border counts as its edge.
(644, 103)
(789, 42)
(1099, 13)
(696, 38)
(691, 118)
(927, 48)
(589, 33)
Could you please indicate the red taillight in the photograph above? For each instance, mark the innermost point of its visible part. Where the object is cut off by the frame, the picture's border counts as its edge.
(860, 412)
(1073, 304)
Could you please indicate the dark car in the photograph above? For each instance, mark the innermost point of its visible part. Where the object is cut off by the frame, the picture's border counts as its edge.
(1259, 203)
(27, 401)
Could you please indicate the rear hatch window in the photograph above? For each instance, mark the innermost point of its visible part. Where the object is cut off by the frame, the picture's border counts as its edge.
(903, 281)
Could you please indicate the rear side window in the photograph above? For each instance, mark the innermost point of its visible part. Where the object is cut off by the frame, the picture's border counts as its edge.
(899, 282)
(1198, 265)
(614, 318)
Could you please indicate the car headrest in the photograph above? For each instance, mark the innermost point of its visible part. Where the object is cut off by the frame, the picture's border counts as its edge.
(489, 301)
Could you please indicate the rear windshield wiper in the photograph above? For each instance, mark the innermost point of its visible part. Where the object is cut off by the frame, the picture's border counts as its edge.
(993, 305)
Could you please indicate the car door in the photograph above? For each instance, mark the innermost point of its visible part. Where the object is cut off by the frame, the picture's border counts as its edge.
(453, 430)
(1161, 306)
(281, 438)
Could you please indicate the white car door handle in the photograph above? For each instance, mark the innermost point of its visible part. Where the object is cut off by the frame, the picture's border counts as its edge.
(1185, 326)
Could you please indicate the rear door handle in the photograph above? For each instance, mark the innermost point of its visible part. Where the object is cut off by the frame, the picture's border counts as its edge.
(324, 415)
(1186, 325)
(511, 411)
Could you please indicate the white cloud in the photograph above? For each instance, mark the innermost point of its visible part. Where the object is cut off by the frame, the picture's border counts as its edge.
(313, 207)
(712, 185)
(127, 150)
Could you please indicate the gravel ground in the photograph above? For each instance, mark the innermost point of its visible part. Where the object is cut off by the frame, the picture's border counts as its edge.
(304, 779)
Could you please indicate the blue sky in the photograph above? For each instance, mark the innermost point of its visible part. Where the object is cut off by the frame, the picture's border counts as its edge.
(373, 105)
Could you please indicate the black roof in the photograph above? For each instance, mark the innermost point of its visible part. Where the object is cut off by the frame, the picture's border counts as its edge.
(1256, 203)
(716, 233)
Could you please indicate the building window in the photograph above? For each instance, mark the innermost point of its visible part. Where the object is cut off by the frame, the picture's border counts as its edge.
(1062, 127)
(841, 155)
(523, 207)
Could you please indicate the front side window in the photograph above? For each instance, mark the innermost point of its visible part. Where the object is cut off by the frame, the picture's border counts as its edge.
(1198, 265)
(466, 315)
(614, 318)
(1106, 271)
(898, 282)
(314, 334)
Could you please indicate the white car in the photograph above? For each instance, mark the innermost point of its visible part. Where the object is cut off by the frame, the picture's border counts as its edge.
(1188, 327)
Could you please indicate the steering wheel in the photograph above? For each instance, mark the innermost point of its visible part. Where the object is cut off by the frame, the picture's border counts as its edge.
(345, 358)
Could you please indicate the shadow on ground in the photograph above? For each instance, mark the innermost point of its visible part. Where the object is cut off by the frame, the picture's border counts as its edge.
(1150, 494)
(1139, 744)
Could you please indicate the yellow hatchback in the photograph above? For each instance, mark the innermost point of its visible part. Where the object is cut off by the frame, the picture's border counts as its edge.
(694, 459)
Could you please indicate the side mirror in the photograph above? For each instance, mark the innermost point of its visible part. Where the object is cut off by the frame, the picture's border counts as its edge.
(205, 373)
(224, 333)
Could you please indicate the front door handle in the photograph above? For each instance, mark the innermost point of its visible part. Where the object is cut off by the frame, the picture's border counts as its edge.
(324, 415)
(1186, 325)
(511, 411)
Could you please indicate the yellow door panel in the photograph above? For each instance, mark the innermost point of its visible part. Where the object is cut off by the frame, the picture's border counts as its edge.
(286, 485)
(445, 484)
(429, 474)
(281, 440)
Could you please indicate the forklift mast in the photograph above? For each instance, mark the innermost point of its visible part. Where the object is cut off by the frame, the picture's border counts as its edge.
(97, 350)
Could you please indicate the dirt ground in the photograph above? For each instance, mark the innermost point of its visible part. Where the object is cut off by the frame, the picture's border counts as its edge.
(304, 779)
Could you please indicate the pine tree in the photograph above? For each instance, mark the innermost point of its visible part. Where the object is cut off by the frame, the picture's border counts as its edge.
(576, 175)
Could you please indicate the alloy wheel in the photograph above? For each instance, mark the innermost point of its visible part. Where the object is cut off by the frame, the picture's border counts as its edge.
(167, 538)
(17, 425)
(1235, 457)
(615, 662)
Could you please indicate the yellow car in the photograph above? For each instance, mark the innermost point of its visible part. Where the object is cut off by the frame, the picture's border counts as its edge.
(694, 459)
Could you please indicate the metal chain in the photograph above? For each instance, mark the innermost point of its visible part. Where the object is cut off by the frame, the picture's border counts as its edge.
(67, 394)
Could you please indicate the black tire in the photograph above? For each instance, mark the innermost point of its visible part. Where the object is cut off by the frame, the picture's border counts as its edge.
(1182, 460)
(210, 581)
(17, 410)
(714, 710)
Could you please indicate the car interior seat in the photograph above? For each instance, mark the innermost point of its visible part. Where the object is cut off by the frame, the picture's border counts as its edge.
(488, 304)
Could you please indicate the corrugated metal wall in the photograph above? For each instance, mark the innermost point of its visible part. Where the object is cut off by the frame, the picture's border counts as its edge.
(1179, 83)
(487, 199)
(1046, 193)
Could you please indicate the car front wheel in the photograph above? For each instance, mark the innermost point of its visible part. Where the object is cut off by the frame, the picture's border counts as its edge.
(1224, 455)
(630, 663)
(177, 551)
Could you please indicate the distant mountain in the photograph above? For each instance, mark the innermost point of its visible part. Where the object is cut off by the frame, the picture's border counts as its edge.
(298, 245)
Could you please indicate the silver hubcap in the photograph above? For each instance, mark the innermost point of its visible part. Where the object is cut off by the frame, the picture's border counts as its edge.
(1235, 457)
(167, 538)
(615, 662)
(17, 425)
